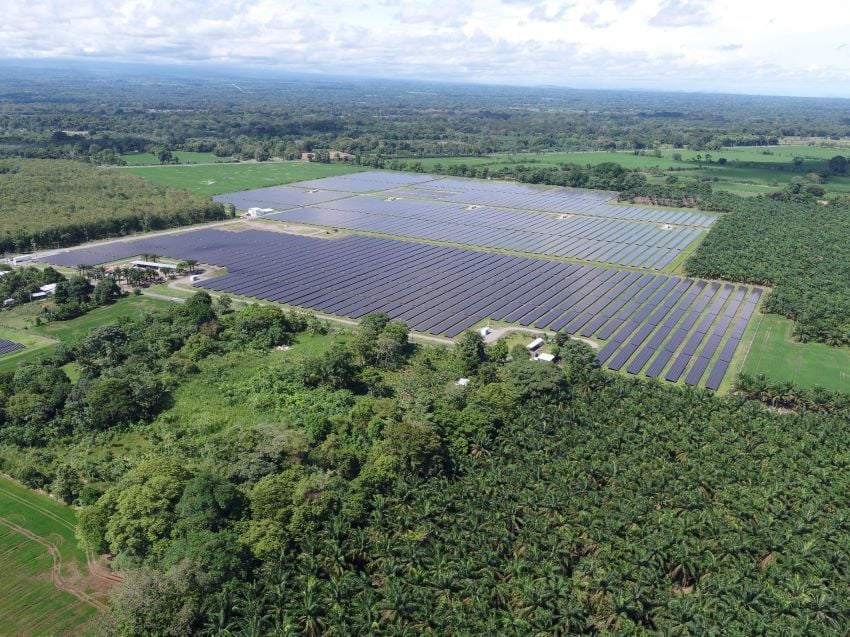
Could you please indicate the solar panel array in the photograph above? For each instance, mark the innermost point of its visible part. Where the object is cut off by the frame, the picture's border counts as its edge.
(653, 324)
(581, 224)
(613, 241)
(370, 181)
(279, 198)
(9, 346)
(546, 199)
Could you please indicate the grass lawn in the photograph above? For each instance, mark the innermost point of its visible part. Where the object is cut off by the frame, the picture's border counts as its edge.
(775, 355)
(222, 178)
(147, 159)
(80, 326)
(37, 539)
(747, 171)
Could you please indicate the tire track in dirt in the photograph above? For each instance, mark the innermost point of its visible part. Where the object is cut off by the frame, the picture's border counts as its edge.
(94, 568)
(56, 571)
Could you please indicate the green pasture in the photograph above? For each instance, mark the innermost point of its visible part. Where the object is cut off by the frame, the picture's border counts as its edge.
(18, 325)
(80, 326)
(776, 355)
(184, 157)
(30, 602)
(747, 171)
(216, 179)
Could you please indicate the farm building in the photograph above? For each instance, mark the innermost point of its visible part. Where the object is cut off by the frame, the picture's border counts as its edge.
(543, 356)
(259, 212)
(533, 345)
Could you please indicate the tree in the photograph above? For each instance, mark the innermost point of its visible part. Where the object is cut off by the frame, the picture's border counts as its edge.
(198, 308)
(416, 445)
(106, 291)
(838, 165)
(537, 380)
(470, 351)
(110, 403)
(392, 344)
(141, 506)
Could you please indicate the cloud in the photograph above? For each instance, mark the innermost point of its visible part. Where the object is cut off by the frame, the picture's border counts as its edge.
(595, 21)
(543, 14)
(682, 13)
(592, 43)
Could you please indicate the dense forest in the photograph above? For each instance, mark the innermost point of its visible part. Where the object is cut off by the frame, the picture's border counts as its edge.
(51, 204)
(96, 112)
(354, 488)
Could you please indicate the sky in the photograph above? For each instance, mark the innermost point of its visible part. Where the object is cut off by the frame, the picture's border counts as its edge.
(774, 47)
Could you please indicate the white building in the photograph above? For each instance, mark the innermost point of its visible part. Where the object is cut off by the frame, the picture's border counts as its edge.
(533, 345)
(259, 212)
(543, 356)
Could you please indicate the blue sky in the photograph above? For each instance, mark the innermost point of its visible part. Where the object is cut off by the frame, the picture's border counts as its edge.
(742, 46)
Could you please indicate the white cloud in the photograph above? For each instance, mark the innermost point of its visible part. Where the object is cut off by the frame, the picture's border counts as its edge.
(682, 13)
(753, 46)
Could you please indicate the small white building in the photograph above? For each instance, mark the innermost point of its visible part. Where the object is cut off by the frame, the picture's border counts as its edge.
(195, 278)
(543, 356)
(8, 302)
(49, 288)
(485, 331)
(259, 212)
(533, 345)
(38, 295)
(23, 258)
(462, 382)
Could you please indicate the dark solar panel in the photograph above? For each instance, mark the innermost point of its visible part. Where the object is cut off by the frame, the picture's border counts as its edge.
(9, 346)
(444, 290)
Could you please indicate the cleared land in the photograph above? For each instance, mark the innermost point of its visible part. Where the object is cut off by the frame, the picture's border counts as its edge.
(46, 588)
(747, 171)
(216, 179)
(778, 357)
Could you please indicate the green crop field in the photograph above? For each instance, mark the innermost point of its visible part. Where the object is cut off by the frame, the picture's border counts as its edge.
(216, 179)
(184, 157)
(46, 588)
(747, 171)
(778, 357)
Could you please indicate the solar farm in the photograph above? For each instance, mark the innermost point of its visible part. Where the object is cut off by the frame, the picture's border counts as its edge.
(7, 347)
(545, 220)
(647, 323)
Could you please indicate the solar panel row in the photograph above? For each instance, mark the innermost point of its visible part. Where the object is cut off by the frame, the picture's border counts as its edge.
(9, 346)
(445, 290)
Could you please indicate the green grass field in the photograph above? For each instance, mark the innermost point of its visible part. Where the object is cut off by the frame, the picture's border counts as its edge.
(748, 170)
(777, 356)
(18, 325)
(217, 179)
(44, 589)
(147, 159)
